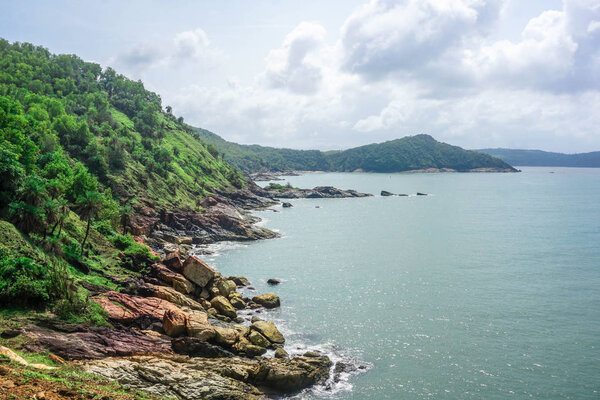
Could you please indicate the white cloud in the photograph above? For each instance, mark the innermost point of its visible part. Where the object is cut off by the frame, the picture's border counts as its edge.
(290, 67)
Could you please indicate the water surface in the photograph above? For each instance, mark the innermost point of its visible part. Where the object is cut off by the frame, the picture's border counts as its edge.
(487, 288)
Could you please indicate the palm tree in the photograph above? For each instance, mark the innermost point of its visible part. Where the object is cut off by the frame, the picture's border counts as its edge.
(89, 204)
(28, 212)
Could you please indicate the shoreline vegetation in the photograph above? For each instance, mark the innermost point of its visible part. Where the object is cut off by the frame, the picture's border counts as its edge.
(104, 196)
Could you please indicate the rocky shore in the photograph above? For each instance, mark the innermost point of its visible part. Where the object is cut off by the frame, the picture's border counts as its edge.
(319, 192)
(176, 333)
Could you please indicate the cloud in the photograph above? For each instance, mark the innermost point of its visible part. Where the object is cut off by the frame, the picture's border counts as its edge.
(386, 37)
(289, 67)
(184, 49)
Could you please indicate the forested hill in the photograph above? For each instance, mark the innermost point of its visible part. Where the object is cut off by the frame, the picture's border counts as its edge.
(406, 154)
(539, 158)
(74, 128)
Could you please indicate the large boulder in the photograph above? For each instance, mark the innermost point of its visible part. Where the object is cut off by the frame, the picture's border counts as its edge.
(223, 306)
(174, 323)
(245, 347)
(293, 374)
(198, 271)
(269, 330)
(267, 300)
(175, 297)
(239, 280)
(196, 347)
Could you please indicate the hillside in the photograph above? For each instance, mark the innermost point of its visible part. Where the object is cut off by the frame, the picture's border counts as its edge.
(539, 158)
(406, 154)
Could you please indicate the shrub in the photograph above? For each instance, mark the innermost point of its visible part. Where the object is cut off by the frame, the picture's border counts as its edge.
(135, 256)
(23, 281)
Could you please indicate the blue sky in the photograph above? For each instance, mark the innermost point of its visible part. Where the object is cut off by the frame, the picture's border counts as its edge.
(336, 74)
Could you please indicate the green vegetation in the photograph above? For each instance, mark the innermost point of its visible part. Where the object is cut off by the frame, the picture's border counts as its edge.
(409, 153)
(277, 186)
(80, 147)
(538, 158)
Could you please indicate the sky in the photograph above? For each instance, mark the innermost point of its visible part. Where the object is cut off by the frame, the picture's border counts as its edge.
(341, 73)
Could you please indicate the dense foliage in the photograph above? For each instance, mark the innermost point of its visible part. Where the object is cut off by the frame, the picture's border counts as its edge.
(79, 147)
(538, 158)
(409, 153)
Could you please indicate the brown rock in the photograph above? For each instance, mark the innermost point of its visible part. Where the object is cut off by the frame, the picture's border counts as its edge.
(175, 297)
(174, 323)
(243, 346)
(281, 353)
(197, 271)
(176, 280)
(173, 261)
(258, 339)
(197, 326)
(237, 303)
(56, 359)
(239, 280)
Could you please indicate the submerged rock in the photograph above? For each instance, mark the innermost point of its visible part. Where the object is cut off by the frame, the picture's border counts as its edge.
(386, 193)
(286, 205)
(273, 281)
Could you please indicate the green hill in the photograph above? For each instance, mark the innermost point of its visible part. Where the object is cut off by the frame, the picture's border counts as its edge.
(406, 154)
(539, 158)
(81, 151)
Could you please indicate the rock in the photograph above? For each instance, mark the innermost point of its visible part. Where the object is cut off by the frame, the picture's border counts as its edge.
(421, 194)
(243, 346)
(281, 353)
(286, 205)
(239, 280)
(223, 306)
(267, 300)
(174, 323)
(197, 326)
(273, 281)
(258, 339)
(226, 287)
(134, 310)
(56, 359)
(237, 303)
(294, 374)
(225, 336)
(175, 297)
(177, 281)
(212, 312)
(84, 342)
(173, 261)
(197, 271)
(196, 347)
(269, 330)
(232, 378)
(386, 193)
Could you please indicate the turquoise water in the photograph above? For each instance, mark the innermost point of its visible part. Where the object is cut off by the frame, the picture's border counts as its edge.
(489, 288)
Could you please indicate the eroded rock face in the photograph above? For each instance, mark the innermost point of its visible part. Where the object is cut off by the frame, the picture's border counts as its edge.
(213, 378)
(175, 297)
(267, 300)
(197, 271)
(174, 323)
(173, 261)
(176, 280)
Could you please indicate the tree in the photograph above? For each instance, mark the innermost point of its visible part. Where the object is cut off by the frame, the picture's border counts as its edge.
(89, 204)
(28, 212)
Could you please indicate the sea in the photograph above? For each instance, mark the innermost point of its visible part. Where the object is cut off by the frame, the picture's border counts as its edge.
(488, 287)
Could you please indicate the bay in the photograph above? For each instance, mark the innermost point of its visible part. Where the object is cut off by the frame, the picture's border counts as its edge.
(489, 287)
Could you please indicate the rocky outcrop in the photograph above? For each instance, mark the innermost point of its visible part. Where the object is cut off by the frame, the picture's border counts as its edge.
(224, 307)
(267, 300)
(134, 310)
(78, 342)
(213, 378)
(269, 331)
(319, 192)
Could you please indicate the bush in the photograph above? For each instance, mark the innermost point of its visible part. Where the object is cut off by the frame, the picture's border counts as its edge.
(23, 282)
(135, 256)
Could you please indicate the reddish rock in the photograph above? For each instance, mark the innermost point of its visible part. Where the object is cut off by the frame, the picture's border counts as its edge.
(174, 323)
(176, 280)
(129, 309)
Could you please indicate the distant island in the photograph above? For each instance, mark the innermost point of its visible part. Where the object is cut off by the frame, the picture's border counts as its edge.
(539, 158)
(411, 153)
